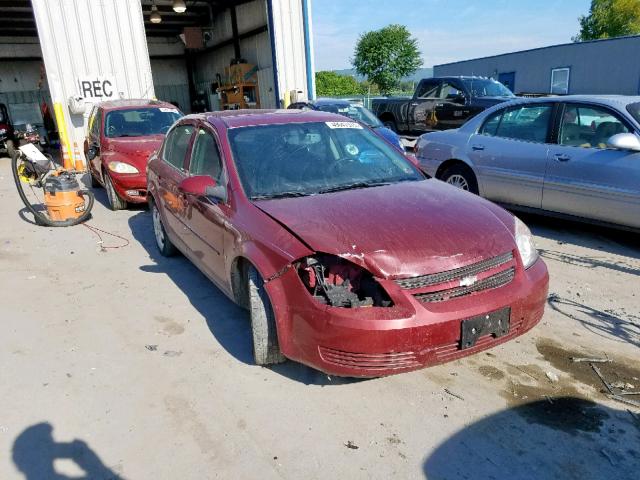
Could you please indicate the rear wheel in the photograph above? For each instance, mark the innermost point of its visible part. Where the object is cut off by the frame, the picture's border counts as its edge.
(11, 147)
(461, 176)
(166, 248)
(390, 124)
(266, 350)
(115, 201)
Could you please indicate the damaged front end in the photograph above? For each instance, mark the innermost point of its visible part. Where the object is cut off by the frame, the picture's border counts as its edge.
(334, 281)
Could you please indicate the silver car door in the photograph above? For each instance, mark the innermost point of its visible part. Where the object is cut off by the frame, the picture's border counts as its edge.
(586, 179)
(510, 153)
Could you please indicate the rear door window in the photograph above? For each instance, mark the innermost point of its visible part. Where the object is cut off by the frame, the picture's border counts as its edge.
(177, 144)
(588, 126)
(490, 126)
(527, 122)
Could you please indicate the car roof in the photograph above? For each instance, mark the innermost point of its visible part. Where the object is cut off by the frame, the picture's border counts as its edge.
(245, 118)
(333, 101)
(133, 102)
(616, 101)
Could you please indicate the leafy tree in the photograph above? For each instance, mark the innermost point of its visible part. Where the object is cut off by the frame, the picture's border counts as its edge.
(609, 18)
(330, 84)
(385, 56)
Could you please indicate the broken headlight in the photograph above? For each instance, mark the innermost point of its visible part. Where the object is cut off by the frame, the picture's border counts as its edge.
(334, 281)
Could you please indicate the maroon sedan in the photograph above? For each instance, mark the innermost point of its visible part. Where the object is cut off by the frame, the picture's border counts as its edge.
(121, 136)
(347, 258)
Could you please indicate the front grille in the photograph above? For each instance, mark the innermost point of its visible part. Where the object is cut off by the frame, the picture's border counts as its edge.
(494, 281)
(457, 273)
(369, 361)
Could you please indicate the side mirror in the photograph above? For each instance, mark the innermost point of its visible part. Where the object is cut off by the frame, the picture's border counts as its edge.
(202, 186)
(458, 98)
(92, 153)
(624, 141)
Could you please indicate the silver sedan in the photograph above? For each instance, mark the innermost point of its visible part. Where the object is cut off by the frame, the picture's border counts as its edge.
(576, 156)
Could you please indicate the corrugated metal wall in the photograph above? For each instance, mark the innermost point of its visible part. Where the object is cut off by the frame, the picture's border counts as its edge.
(609, 66)
(92, 38)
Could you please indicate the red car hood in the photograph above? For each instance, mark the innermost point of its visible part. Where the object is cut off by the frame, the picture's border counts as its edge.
(134, 150)
(399, 230)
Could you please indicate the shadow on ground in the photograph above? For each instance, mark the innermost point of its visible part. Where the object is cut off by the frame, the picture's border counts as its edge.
(616, 325)
(35, 452)
(228, 323)
(566, 437)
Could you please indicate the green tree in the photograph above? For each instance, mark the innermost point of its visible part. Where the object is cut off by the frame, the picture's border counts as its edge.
(385, 56)
(330, 84)
(609, 18)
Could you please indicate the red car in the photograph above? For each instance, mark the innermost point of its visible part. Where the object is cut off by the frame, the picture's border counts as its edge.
(121, 136)
(347, 257)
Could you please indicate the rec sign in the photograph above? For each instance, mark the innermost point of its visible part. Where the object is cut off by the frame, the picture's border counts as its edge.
(97, 88)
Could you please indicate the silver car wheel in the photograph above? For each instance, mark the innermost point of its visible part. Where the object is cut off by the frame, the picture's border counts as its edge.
(458, 181)
(157, 228)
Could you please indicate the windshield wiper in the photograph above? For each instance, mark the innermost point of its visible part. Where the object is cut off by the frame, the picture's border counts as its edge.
(353, 186)
(280, 195)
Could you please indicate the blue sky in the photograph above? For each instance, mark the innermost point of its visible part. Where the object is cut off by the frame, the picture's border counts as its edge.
(446, 30)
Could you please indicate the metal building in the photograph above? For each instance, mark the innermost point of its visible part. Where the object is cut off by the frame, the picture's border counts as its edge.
(57, 57)
(609, 66)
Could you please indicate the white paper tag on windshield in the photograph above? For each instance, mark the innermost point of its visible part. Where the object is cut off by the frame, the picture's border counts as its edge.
(168, 110)
(343, 125)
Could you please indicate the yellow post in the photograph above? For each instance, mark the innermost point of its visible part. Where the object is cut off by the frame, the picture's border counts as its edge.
(64, 136)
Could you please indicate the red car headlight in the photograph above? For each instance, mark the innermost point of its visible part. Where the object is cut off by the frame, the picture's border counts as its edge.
(334, 281)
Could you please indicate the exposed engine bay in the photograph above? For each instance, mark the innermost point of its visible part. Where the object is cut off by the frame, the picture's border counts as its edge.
(334, 281)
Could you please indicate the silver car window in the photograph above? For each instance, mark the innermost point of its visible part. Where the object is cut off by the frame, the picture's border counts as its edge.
(527, 122)
(588, 126)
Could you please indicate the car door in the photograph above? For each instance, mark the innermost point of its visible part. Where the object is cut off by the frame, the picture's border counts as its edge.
(584, 177)
(422, 106)
(451, 111)
(171, 171)
(93, 141)
(206, 218)
(509, 152)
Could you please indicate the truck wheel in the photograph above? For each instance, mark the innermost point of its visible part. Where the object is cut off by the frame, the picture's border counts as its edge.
(391, 125)
(461, 176)
(115, 202)
(266, 350)
(166, 248)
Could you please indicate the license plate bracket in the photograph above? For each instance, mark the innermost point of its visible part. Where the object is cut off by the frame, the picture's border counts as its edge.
(495, 323)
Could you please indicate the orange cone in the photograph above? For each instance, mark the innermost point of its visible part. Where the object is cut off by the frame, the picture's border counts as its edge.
(78, 159)
(66, 160)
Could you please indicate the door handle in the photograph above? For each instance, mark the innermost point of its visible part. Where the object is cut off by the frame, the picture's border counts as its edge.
(477, 147)
(415, 104)
(561, 157)
(439, 105)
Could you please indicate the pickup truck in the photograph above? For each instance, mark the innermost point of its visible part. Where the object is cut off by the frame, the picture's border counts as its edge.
(440, 103)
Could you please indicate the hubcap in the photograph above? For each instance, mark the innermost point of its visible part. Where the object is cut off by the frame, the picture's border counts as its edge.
(458, 181)
(157, 228)
(107, 182)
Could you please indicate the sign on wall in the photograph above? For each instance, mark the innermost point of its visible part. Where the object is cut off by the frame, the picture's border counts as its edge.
(97, 88)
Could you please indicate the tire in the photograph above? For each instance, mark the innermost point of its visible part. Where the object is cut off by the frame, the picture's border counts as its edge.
(11, 147)
(165, 246)
(266, 350)
(391, 125)
(115, 202)
(461, 176)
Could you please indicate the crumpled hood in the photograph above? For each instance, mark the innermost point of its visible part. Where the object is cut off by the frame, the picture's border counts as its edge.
(399, 230)
(133, 150)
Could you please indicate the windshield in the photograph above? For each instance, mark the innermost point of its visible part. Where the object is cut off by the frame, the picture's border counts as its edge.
(634, 110)
(483, 87)
(298, 159)
(139, 122)
(354, 111)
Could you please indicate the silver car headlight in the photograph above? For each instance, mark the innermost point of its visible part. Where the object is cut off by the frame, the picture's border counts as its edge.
(524, 241)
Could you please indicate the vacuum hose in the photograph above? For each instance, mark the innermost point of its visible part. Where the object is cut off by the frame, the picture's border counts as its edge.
(40, 218)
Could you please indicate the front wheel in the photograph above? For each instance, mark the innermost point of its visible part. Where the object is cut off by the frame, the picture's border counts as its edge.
(165, 246)
(462, 177)
(115, 202)
(266, 350)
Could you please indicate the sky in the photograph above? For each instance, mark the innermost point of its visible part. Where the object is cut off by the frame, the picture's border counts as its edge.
(447, 30)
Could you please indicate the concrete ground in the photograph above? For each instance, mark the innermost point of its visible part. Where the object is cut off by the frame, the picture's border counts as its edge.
(123, 364)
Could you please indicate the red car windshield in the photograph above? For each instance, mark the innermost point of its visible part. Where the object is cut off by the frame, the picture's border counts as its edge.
(299, 159)
(140, 122)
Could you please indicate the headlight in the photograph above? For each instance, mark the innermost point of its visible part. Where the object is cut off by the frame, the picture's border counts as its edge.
(121, 167)
(526, 245)
(3, 131)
